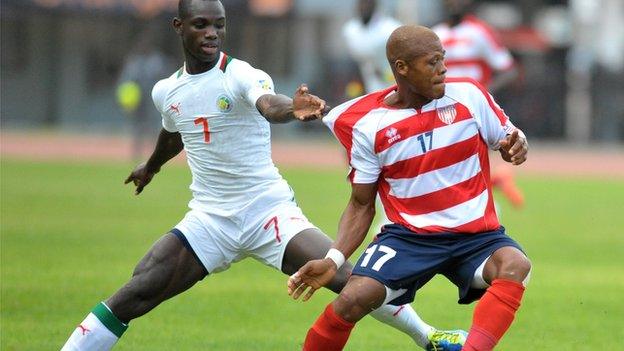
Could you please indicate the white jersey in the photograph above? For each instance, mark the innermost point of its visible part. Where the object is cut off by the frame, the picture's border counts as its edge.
(227, 141)
(472, 50)
(367, 46)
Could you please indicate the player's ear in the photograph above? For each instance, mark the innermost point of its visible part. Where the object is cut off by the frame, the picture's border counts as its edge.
(177, 25)
(401, 67)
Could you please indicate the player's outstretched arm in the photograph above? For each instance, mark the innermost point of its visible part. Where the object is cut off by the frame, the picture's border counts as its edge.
(167, 147)
(282, 109)
(352, 229)
(514, 148)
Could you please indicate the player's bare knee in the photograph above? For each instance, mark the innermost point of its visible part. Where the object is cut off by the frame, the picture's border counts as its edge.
(361, 296)
(515, 268)
(349, 307)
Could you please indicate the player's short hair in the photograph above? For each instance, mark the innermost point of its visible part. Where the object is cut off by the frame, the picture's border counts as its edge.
(184, 8)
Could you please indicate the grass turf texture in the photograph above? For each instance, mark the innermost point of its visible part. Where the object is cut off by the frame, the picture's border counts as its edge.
(72, 233)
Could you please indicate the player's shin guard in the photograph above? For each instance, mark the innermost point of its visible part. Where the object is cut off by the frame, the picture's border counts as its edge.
(99, 331)
(329, 332)
(405, 319)
(493, 315)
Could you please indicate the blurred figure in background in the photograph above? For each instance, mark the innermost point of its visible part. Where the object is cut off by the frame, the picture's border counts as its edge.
(472, 50)
(366, 36)
(144, 66)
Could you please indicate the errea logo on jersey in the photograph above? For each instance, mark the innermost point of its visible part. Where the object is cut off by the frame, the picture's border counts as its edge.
(393, 135)
(224, 104)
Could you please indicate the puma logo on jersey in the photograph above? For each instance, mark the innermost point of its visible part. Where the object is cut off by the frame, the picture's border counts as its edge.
(175, 108)
(393, 135)
(84, 330)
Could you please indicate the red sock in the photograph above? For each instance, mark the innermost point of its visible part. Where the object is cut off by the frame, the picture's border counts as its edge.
(493, 315)
(329, 333)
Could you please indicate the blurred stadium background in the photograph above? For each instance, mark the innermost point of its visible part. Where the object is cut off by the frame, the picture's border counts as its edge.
(61, 59)
(62, 62)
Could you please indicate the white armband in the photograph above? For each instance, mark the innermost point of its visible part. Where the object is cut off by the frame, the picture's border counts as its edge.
(336, 256)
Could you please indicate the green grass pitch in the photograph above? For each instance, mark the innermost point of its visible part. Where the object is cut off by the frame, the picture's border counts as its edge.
(71, 234)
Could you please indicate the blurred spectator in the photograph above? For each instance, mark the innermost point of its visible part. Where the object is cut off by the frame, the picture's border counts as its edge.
(143, 67)
(473, 51)
(366, 36)
(595, 65)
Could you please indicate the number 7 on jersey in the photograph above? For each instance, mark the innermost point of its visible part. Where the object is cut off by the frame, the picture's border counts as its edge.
(204, 122)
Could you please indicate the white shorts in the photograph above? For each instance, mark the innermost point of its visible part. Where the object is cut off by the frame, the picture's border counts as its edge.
(262, 230)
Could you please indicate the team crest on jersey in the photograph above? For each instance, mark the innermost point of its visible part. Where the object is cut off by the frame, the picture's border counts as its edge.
(224, 104)
(264, 84)
(447, 114)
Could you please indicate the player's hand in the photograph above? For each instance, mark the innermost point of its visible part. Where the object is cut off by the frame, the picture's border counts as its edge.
(311, 277)
(307, 107)
(514, 148)
(140, 176)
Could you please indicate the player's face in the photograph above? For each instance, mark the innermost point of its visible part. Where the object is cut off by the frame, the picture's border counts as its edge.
(425, 74)
(203, 30)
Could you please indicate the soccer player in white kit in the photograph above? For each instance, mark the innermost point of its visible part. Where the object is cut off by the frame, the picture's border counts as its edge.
(218, 110)
(366, 36)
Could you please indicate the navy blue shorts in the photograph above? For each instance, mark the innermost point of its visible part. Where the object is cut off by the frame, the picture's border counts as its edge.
(402, 259)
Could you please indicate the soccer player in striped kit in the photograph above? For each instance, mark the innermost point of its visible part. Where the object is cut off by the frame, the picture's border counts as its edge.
(423, 145)
(218, 109)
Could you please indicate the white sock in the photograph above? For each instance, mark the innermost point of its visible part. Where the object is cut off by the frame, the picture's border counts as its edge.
(405, 319)
(99, 331)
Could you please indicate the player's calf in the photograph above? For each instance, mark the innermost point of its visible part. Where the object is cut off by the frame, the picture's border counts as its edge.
(166, 270)
(496, 310)
(331, 330)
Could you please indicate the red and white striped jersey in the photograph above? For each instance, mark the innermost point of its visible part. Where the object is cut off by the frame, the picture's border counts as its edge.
(472, 50)
(431, 165)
